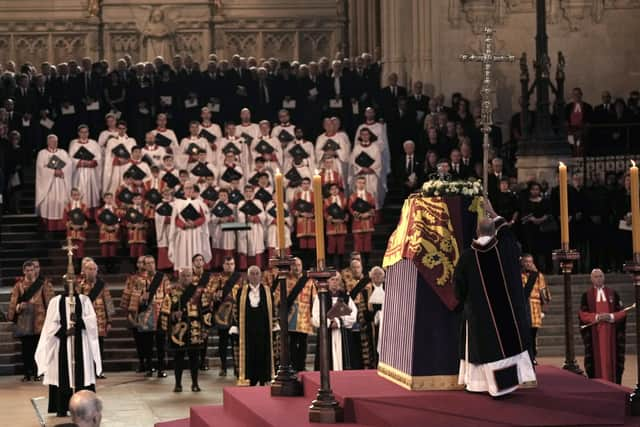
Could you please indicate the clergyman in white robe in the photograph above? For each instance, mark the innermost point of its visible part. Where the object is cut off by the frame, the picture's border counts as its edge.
(345, 323)
(48, 352)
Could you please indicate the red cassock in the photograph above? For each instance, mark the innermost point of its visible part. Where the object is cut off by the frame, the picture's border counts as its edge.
(362, 226)
(604, 341)
(77, 233)
(305, 227)
(109, 235)
(336, 232)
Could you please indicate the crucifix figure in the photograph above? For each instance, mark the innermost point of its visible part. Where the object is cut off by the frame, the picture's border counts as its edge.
(487, 59)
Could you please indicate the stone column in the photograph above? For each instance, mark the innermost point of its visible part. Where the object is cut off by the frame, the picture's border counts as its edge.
(393, 28)
(364, 26)
(421, 58)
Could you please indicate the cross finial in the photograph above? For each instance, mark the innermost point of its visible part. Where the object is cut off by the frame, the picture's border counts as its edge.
(69, 247)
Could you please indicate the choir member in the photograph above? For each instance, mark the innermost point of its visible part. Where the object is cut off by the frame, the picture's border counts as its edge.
(191, 146)
(182, 320)
(331, 175)
(227, 285)
(75, 218)
(168, 173)
(209, 131)
(300, 142)
(253, 321)
(137, 167)
(267, 147)
(164, 137)
(379, 129)
(232, 143)
(116, 159)
(336, 216)
(110, 132)
(108, 229)
(342, 147)
(250, 243)
(302, 210)
(86, 157)
(93, 286)
(362, 207)
(295, 173)
(134, 220)
(247, 130)
(284, 131)
(162, 223)
(223, 242)
(339, 326)
(202, 169)
(230, 170)
(53, 184)
(28, 303)
(189, 233)
(300, 293)
(365, 161)
(604, 338)
(272, 231)
(152, 152)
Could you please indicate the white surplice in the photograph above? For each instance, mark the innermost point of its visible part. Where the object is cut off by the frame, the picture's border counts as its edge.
(87, 180)
(185, 243)
(373, 185)
(48, 350)
(345, 323)
(52, 192)
(112, 174)
(251, 242)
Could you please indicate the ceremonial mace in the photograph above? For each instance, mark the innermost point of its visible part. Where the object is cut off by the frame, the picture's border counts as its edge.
(69, 278)
(487, 59)
(325, 408)
(286, 382)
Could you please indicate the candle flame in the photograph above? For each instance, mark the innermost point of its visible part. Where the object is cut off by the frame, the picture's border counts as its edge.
(317, 172)
(633, 163)
(277, 171)
(561, 164)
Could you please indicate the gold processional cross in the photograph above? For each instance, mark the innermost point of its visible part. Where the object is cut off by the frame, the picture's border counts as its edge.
(487, 59)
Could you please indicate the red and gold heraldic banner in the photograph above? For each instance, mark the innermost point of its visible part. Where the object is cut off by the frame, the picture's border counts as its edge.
(431, 232)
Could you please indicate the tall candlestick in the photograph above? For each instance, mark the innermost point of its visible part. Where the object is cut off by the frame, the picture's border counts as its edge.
(564, 207)
(635, 207)
(280, 210)
(319, 220)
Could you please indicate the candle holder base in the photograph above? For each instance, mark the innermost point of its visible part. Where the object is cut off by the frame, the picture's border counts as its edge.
(566, 258)
(286, 382)
(325, 409)
(633, 268)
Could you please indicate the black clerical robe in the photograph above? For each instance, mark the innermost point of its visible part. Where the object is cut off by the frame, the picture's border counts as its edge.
(255, 344)
(495, 324)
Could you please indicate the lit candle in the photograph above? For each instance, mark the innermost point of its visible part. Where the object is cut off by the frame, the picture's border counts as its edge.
(564, 207)
(319, 220)
(635, 207)
(280, 210)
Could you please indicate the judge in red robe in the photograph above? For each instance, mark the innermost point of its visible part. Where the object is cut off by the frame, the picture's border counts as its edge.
(604, 340)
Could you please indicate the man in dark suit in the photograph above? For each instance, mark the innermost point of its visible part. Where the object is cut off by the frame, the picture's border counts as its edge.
(390, 94)
(286, 90)
(459, 170)
(577, 115)
(495, 175)
(411, 170)
(264, 97)
(603, 114)
(310, 100)
(418, 102)
(336, 91)
(401, 126)
(66, 97)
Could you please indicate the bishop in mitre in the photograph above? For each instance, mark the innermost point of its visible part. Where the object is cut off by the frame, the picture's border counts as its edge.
(68, 353)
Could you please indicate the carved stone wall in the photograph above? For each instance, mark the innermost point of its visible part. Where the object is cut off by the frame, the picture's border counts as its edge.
(64, 29)
(302, 30)
(421, 39)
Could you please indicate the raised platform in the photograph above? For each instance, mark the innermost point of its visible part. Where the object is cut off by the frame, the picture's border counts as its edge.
(561, 399)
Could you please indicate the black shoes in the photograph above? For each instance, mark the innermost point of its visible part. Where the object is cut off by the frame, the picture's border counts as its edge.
(177, 388)
(101, 377)
(195, 388)
(26, 378)
(223, 372)
(204, 366)
(37, 379)
(162, 374)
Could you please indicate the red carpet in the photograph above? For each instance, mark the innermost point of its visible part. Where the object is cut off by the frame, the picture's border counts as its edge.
(561, 399)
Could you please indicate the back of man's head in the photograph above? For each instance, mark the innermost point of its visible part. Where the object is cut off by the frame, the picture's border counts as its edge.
(86, 409)
(486, 228)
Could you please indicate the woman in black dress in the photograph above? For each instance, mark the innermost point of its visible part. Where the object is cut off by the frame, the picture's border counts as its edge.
(115, 93)
(535, 215)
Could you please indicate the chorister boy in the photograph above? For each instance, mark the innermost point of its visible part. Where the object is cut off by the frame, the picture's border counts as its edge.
(136, 228)
(362, 208)
(75, 215)
(335, 212)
